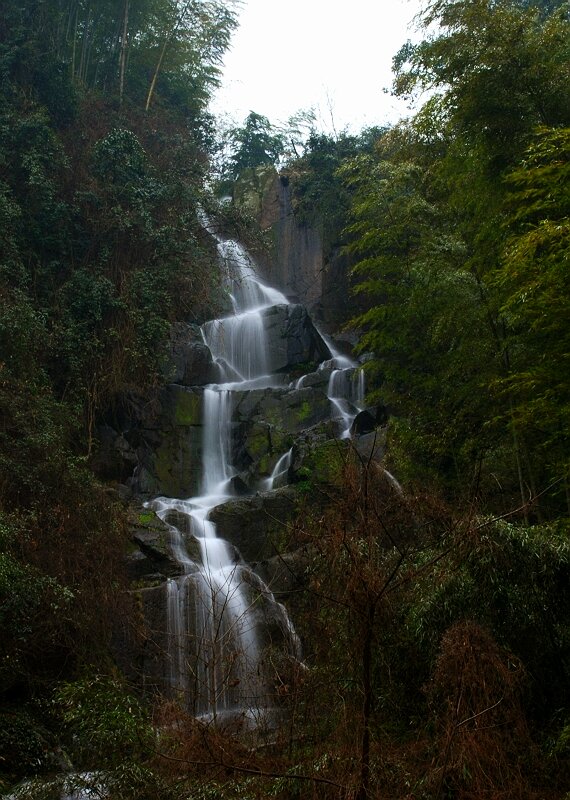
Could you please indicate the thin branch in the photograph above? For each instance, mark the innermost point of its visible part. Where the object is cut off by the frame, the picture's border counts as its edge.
(480, 713)
(250, 771)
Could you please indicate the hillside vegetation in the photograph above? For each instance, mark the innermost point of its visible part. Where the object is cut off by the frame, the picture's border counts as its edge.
(435, 617)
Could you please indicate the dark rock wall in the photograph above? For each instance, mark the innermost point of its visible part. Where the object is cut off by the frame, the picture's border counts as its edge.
(298, 264)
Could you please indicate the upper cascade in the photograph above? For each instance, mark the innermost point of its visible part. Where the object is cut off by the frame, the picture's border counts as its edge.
(247, 292)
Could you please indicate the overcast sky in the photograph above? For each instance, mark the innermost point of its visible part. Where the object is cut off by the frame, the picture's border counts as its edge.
(332, 56)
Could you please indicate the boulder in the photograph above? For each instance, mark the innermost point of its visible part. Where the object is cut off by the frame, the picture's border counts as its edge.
(319, 461)
(292, 338)
(268, 420)
(152, 536)
(257, 525)
(371, 446)
(170, 444)
(287, 411)
(271, 617)
(188, 360)
(286, 573)
(141, 568)
(369, 419)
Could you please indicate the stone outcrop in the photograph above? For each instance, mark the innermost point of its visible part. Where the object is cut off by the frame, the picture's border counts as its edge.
(157, 447)
(298, 263)
(286, 573)
(257, 525)
(292, 338)
(188, 361)
(169, 444)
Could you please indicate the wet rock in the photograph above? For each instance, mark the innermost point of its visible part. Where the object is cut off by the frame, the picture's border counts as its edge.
(320, 461)
(139, 567)
(292, 338)
(271, 617)
(314, 380)
(238, 485)
(371, 446)
(369, 419)
(169, 445)
(257, 525)
(189, 361)
(267, 421)
(285, 573)
(289, 411)
(152, 537)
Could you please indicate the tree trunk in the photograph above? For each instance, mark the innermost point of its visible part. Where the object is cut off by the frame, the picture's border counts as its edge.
(167, 41)
(368, 691)
(155, 76)
(123, 55)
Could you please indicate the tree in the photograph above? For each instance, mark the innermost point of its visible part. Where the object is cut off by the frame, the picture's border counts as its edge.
(320, 197)
(256, 143)
(431, 241)
(533, 280)
(426, 323)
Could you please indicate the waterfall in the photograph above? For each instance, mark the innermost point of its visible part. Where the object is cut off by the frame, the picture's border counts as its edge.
(215, 649)
(345, 389)
(346, 393)
(280, 470)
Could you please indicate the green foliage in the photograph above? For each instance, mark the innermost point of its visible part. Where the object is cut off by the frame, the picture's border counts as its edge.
(26, 747)
(100, 250)
(128, 781)
(513, 580)
(119, 159)
(26, 598)
(106, 724)
(502, 70)
(428, 325)
(461, 321)
(533, 281)
(320, 197)
(256, 143)
(56, 47)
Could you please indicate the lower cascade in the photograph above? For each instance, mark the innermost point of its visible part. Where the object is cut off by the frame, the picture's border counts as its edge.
(217, 643)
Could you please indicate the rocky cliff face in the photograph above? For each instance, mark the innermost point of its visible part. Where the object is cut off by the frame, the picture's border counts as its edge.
(297, 265)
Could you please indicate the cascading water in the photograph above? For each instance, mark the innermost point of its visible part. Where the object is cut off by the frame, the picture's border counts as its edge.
(345, 389)
(214, 646)
(279, 475)
(346, 392)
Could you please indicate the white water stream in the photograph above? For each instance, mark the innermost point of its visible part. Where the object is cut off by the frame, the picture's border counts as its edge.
(214, 646)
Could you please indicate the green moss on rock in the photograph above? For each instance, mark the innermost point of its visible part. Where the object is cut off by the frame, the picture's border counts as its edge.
(188, 409)
(324, 463)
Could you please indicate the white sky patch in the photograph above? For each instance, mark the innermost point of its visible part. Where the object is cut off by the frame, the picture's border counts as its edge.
(333, 57)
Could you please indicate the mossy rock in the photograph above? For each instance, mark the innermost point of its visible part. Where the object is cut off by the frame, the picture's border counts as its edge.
(321, 463)
(175, 467)
(152, 536)
(188, 408)
(257, 525)
(294, 411)
(257, 442)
